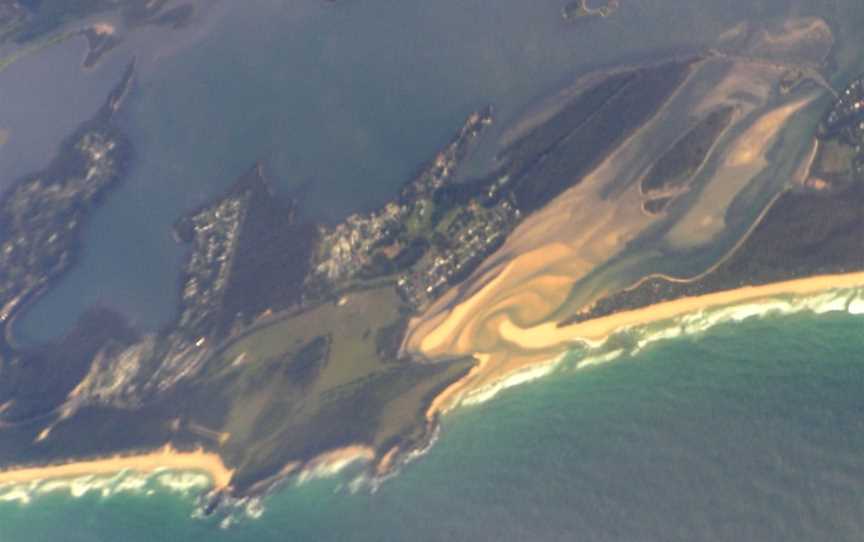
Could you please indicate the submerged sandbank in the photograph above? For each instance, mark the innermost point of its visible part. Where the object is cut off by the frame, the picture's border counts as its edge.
(166, 458)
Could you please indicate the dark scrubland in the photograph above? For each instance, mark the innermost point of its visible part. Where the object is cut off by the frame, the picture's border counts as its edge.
(675, 168)
(272, 257)
(556, 155)
(39, 380)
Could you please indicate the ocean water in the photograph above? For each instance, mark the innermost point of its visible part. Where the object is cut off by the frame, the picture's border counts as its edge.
(749, 430)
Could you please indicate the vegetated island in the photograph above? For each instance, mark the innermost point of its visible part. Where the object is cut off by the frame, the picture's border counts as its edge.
(670, 176)
(287, 356)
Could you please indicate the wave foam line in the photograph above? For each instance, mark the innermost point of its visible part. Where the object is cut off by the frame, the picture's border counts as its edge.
(517, 378)
(105, 473)
(124, 482)
(740, 303)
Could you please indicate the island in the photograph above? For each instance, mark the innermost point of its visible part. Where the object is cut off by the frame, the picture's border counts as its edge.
(101, 39)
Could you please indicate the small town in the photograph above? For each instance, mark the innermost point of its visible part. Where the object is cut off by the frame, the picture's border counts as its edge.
(847, 115)
(213, 234)
(472, 235)
(414, 231)
(846, 121)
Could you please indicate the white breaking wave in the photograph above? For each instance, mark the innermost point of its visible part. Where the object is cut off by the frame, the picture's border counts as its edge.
(600, 358)
(328, 469)
(522, 376)
(698, 322)
(600, 352)
(849, 300)
(856, 305)
(186, 483)
(125, 482)
(237, 510)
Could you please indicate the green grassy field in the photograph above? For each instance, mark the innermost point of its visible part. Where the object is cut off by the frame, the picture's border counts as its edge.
(316, 381)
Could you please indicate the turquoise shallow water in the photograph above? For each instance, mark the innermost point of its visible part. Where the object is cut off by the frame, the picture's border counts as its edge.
(749, 431)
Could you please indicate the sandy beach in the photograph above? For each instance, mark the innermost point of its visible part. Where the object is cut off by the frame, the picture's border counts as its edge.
(164, 458)
(537, 344)
(549, 335)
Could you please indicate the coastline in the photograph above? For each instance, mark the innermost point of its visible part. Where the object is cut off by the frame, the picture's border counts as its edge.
(164, 458)
(548, 335)
(543, 340)
(210, 464)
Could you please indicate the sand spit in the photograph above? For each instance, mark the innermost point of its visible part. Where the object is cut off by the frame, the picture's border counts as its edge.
(166, 458)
